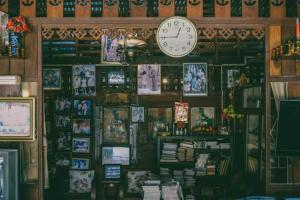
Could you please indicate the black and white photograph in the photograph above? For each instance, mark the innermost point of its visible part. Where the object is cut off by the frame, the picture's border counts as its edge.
(80, 163)
(51, 79)
(195, 79)
(252, 97)
(81, 126)
(149, 79)
(110, 54)
(81, 145)
(64, 141)
(63, 104)
(83, 107)
(233, 77)
(63, 121)
(84, 80)
(137, 114)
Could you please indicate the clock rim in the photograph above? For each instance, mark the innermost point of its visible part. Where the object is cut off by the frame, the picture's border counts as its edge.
(176, 17)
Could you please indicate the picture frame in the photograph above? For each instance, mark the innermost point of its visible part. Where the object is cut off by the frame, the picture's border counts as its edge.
(137, 114)
(80, 145)
(63, 121)
(81, 126)
(17, 118)
(116, 77)
(81, 180)
(109, 50)
(135, 180)
(52, 79)
(233, 77)
(80, 163)
(195, 77)
(116, 125)
(62, 159)
(149, 79)
(63, 141)
(202, 117)
(252, 97)
(63, 104)
(84, 80)
(83, 107)
(159, 120)
(181, 112)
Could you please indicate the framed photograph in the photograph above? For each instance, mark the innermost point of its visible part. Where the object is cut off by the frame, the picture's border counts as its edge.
(116, 125)
(116, 77)
(63, 121)
(252, 97)
(149, 79)
(52, 79)
(233, 77)
(9, 170)
(253, 124)
(110, 54)
(81, 126)
(84, 80)
(64, 141)
(159, 120)
(83, 107)
(17, 118)
(195, 79)
(202, 117)
(181, 112)
(63, 104)
(62, 159)
(135, 180)
(80, 163)
(81, 181)
(137, 114)
(116, 155)
(81, 145)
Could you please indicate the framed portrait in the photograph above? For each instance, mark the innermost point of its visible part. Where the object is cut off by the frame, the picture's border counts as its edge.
(81, 181)
(233, 77)
(84, 80)
(252, 97)
(64, 141)
(202, 117)
(116, 77)
(80, 163)
(109, 52)
(63, 121)
(17, 118)
(137, 114)
(52, 79)
(63, 104)
(181, 112)
(62, 159)
(149, 79)
(116, 125)
(159, 120)
(135, 180)
(83, 107)
(81, 126)
(81, 145)
(195, 79)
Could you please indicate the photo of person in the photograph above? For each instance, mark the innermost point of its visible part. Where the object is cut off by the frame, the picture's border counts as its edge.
(137, 114)
(195, 79)
(51, 79)
(149, 79)
(81, 145)
(84, 81)
(81, 126)
(159, 120)
(110, 54)
(233, 77)
(62, 104)
(64, 141)
(63, 121)
(83, 107)
(80, 163)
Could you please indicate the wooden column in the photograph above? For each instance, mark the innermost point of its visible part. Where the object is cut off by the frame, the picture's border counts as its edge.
(27, 8)
(274, 41)
(194, 8)
(250, 8)
(277, 8)
(138, 8)
(110, 8)
(83, 8)
(297, 67)
(55, 8)
(4, 6)
(222, 8)
(166, 8)
(289, 65)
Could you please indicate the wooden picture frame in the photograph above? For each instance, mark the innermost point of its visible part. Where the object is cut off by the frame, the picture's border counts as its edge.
(195, 79)
(52, 79)
(109, 50)
(17, 118)
(84, 80)
(81, 126)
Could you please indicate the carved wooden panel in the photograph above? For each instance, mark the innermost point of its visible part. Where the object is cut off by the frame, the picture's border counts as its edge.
(28, 8)
(4, 6)
(166, 8)
(110, 8)
(222, 8)
(277, 8)
(274, 41)
(83, 8)
(250, 8)
(138, 8)
(294, 89)
(55, 8)
(194, 8)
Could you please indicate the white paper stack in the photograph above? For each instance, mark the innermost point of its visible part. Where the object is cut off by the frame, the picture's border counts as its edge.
(169, 152)
(171, 192)
(151, 192)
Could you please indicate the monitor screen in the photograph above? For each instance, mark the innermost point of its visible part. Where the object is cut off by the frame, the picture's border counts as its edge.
(112, 171)
(115, 155)
(288, 141)
(116, 77)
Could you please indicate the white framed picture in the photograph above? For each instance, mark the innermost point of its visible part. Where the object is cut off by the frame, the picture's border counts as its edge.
(137, 114)
(84, 80)
(195, 79)
(109, 51)
(233, 77)
(149, 79)
(81, 145)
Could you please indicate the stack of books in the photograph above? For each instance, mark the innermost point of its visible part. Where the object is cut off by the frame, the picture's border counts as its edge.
(178, 176)
(165, 175)
(186, 151)
(169, 153)
(211, 170)
(200, 164)
(189, 180)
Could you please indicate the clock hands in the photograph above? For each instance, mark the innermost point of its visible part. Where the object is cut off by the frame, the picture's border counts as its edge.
(178, 32)
(164, 37)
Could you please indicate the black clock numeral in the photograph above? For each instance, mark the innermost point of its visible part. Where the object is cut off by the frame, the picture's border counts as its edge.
(165, 44)
(171, 48)
(188, 29)
(165, 30)
(189, 43)
(176, 23)
(169, 24)
(190, 36)
(183, 24)
(183, 48)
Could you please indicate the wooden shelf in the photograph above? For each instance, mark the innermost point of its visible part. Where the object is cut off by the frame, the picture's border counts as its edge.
(284, 78)
(192, 137)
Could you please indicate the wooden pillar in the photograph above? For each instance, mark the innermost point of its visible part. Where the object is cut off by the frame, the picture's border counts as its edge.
(222, 8)
(110, 8)
(274, 41)
(55, 8)
(166, 8)
(83, 8)
(28, 8)
(194, 8)
(138, 8)
(4, 6)
(297, 67)
(250, 8)
(277, 8)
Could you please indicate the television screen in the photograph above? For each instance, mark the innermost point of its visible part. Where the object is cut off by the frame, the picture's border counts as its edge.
(112, 171)
(116, 77)
(115, 155)
(288, 141)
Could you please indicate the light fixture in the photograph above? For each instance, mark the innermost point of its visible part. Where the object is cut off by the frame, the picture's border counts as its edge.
(10, 80)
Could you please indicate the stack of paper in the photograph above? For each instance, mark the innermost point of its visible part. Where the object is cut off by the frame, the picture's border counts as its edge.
(169, 152)
(151, 192)
(165, 175)
(189, 180)
(178, 176)
(172, 192)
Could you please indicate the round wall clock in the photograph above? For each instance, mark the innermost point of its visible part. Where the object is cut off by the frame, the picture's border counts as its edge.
(176, 36)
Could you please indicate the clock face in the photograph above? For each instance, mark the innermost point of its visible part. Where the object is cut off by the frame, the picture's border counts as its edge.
(176, 36)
